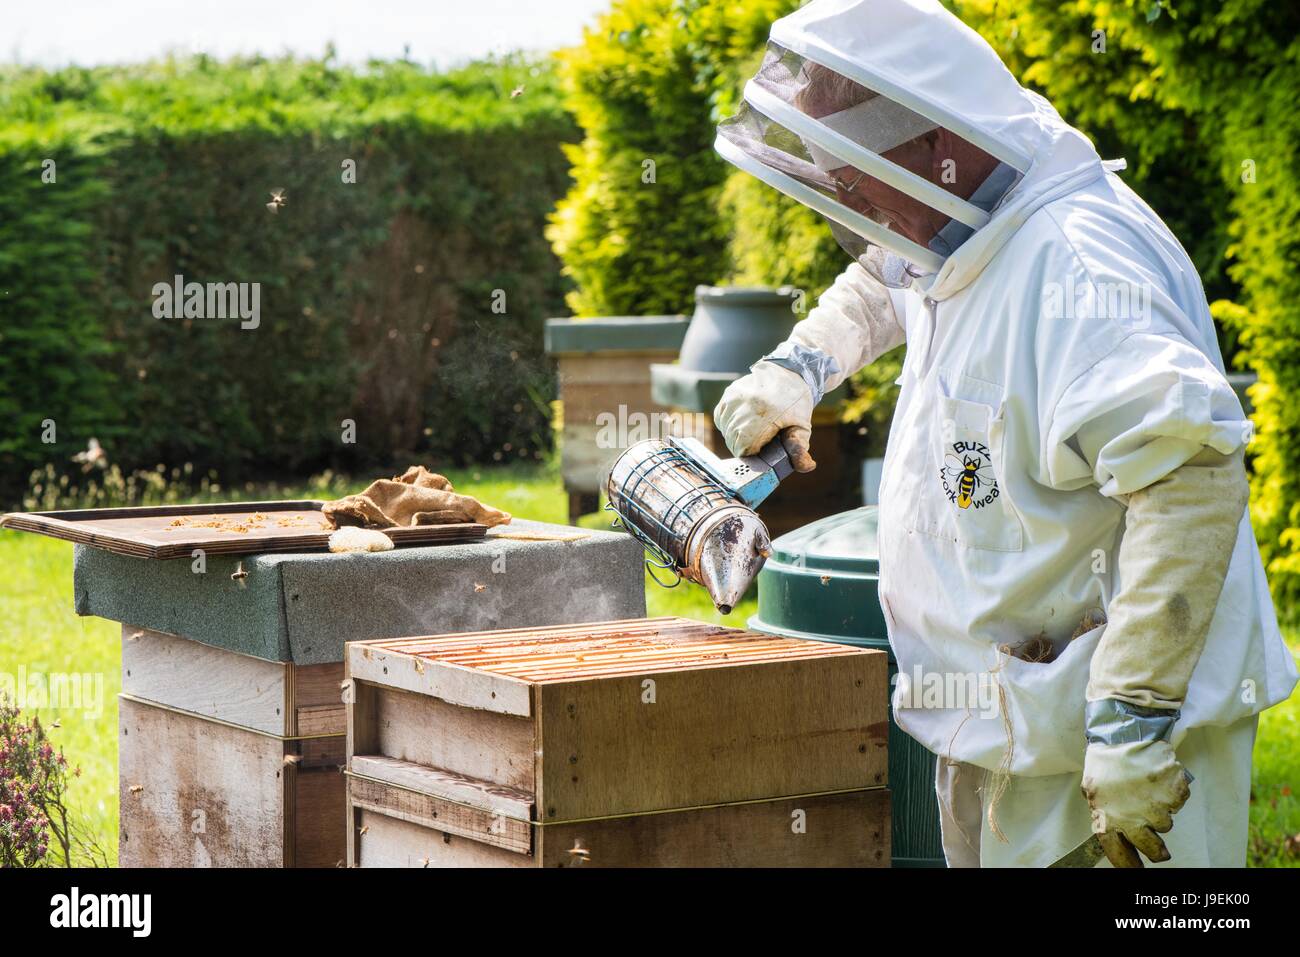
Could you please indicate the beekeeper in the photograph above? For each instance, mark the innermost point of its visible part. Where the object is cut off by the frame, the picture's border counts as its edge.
(1063, 527)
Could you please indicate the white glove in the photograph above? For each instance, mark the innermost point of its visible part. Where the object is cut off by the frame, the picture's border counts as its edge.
(853, 324)
(757, 406)
(1133, 790)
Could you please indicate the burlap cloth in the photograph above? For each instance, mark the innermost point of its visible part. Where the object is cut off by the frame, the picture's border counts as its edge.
(416, 497)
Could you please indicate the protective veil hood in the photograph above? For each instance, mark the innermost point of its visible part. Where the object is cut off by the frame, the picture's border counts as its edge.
(934, 72)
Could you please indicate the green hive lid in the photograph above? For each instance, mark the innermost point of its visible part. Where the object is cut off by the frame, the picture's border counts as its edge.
(680, 388)
(845, 542)
(822, 582)
(689, 389)
(615, 334)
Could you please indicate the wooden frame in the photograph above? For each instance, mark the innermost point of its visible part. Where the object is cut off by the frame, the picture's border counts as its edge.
(274, 697)
(201, 793)
(390, 826)
(144, 532)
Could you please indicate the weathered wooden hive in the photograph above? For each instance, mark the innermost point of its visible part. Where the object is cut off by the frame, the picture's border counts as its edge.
(231, 715)
(648, 742)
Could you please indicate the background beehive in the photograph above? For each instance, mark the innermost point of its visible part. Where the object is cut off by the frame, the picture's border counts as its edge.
(660, 741)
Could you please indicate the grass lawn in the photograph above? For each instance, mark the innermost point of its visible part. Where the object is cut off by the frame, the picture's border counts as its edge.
(1274, 805)
(40, 634)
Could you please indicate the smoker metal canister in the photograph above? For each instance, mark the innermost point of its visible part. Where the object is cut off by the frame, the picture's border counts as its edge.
(687, 520)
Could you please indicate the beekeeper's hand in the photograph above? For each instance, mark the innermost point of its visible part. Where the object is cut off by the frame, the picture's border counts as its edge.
(770, 399)
(1133, 790)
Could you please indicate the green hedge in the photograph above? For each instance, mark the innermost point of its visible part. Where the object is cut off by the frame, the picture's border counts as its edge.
(377, 297)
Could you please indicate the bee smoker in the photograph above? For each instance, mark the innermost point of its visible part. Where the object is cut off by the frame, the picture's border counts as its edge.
(694, 512)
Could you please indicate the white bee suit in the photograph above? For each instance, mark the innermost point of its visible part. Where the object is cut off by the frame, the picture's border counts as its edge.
(1061, 358)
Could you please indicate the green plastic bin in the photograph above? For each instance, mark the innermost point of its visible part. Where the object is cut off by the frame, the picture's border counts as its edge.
(821, 583)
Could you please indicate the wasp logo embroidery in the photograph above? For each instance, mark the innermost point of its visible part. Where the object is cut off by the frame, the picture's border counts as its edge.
(967, 475)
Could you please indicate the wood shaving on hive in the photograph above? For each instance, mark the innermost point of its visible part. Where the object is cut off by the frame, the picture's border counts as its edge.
(242, 524)
(353, 538)
(302, 522)
(234, 523)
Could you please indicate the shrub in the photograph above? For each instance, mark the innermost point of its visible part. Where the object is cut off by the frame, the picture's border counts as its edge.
(33, 785)
(379, 298)
(645, 85)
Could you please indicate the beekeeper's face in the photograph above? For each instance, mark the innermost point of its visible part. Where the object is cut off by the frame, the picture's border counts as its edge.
(892, 207)
(900, 136)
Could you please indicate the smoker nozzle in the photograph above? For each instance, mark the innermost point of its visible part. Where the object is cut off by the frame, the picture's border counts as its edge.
(731, 553)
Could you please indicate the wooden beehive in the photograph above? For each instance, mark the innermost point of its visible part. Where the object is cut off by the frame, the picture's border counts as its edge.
(659, 742)
(227, 760)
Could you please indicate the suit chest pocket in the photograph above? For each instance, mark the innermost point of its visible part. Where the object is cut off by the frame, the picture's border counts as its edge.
(961, 495)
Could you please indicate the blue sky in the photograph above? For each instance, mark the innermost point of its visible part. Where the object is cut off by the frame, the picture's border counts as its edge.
(90, 32)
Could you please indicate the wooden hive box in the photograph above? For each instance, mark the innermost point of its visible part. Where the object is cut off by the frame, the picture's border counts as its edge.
(227, 760)
(647, 742)
(232, 731)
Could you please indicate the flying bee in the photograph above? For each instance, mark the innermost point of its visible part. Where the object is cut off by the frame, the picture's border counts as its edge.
(93, 457)
(277, 200)
(967, 474)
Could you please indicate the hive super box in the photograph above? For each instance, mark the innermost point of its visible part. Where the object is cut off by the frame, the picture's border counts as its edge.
(649, 742)
(231, 737)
